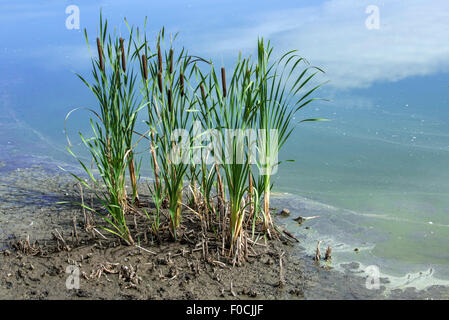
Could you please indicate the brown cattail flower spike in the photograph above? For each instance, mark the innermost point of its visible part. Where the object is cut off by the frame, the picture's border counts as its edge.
(169, 101)
(159, 58)
(203, 93)
(171, 61)
(122, 49)
(223, 81)
(144, 66)
(181, 83)
(159, 81)
(100, 54)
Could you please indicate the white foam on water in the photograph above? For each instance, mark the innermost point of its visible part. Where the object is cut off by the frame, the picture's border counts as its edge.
(343, 246)
(420, 280)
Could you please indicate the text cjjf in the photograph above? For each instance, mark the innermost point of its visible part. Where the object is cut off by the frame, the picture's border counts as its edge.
(249, 309)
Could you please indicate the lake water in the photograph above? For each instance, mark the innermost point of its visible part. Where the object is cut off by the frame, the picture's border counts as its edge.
(377, 174)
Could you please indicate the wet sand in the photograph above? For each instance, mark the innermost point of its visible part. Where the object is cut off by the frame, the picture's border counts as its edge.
(108, 270)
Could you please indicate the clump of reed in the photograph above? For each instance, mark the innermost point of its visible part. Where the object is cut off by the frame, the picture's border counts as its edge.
(248, 114)
(111, 146)
(281, 93)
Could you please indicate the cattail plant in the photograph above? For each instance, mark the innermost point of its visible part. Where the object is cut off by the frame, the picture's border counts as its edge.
(231, 111)
(100, 54)
(168, 107)
(241, 112)
(208, 175)
(281, 92)
(122, 51)
(143, 54)
(111, 146)
(151, 119)
(131, 103)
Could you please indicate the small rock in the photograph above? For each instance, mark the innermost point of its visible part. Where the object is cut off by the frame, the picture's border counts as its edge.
(267, 261)
(296, 292)
(20, 273)
(82, 293)
(299, 220)
(285, 212)
(252, 293)
(356, 249)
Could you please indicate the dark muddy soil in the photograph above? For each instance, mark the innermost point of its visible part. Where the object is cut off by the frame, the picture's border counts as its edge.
(124, 272)
(33, 265)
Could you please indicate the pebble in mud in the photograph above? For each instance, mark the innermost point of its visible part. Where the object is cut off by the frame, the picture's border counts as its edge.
(250, 293)
(285, 212)
(296, 292)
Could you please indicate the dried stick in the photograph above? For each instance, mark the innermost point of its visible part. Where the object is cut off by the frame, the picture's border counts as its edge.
(328, 254)
(86, 223)
(146, 250)
(318, 252)
(281, 270)
(75, 231)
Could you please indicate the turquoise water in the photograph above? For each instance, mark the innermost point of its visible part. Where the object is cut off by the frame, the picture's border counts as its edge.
(398, 188)
(389, 170)
(381, 164)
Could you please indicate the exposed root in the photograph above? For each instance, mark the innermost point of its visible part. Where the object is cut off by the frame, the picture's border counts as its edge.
(25, 247)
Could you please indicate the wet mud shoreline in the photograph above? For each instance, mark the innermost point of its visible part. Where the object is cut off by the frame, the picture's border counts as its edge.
(30, 206)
